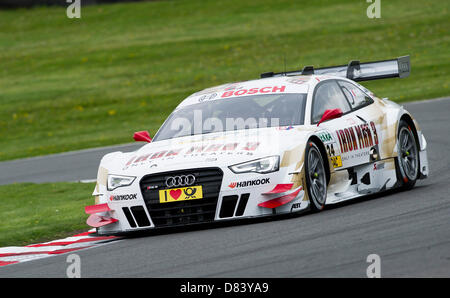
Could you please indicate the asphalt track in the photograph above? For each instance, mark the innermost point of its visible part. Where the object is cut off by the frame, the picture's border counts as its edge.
(69, 166)
(410, 231)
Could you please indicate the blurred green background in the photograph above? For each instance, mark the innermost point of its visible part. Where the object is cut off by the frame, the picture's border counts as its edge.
(69, 84)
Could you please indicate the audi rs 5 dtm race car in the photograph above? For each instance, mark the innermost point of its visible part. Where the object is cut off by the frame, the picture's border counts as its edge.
(280, 144)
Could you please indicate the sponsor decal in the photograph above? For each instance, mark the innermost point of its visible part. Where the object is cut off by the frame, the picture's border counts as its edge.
(216, 89)
(207, 97)
(251, 91)
(336, 161)
(298, 81)
(180, 194)
(325, 137)
(213, 149)
(249, 183)
(233, 87)
(251, 146)
(357, 137)
(296, 206)
(123, 197)
(361, 154)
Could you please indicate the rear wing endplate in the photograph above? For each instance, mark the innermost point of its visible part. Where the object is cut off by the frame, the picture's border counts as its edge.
(394, 68)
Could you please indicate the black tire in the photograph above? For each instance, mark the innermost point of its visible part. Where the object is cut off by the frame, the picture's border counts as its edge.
(315, 176)
(408, 156)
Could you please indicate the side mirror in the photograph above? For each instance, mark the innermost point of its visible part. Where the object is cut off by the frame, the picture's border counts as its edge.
(142, 136)
(330, 114)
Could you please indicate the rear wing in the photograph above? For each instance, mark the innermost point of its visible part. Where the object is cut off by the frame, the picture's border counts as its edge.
(356, 71)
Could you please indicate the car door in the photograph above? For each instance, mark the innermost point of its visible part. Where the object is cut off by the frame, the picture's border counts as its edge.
(366, 116)
(329, 95)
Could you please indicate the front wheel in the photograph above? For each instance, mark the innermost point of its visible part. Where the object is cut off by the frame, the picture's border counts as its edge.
(316, 179)
(408, 155)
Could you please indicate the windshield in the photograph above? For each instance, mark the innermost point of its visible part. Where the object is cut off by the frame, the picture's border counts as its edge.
(237, 113)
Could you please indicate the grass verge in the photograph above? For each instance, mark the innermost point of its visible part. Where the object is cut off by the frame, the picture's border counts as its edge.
(33, 213)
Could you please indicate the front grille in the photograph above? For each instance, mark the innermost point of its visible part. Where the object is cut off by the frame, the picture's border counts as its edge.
(183, 212)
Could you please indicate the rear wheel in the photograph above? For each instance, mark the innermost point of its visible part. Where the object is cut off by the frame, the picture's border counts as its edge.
(316, 179)
(408, 155)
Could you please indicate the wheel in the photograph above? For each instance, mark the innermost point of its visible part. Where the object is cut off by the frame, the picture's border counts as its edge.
(316, 179)
(408, 155)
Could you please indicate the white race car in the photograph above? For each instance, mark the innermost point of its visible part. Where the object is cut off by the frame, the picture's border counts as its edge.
(280, 144)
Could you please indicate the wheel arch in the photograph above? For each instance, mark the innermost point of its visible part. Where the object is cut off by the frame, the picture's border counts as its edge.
(409, 120)
(323, 152)
(407, 184)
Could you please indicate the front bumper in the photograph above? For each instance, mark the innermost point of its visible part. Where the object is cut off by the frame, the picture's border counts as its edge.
(227, 196)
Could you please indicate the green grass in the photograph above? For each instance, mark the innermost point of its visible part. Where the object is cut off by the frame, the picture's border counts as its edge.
(33, 213)
(69, 84)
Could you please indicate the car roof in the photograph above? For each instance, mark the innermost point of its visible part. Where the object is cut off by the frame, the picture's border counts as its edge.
(271, 85)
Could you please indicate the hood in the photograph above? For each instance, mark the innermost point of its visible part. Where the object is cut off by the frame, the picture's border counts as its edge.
(207, 150)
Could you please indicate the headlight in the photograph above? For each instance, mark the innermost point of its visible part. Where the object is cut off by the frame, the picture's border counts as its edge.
(115, 181)
(262, 165)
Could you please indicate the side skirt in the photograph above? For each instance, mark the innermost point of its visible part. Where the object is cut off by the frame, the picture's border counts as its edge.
(362, 180)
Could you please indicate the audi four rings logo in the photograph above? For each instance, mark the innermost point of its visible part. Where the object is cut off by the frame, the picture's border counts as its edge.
(182, 180)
